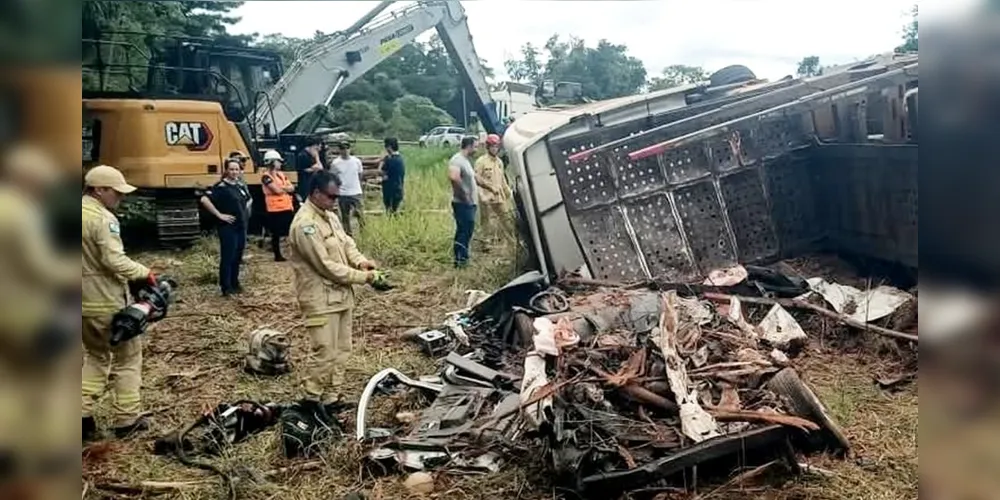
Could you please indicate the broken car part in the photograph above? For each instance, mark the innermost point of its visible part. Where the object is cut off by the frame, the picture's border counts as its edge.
(434, 343)
(378, 380)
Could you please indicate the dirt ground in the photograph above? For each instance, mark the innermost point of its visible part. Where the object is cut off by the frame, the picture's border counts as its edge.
(192, 361)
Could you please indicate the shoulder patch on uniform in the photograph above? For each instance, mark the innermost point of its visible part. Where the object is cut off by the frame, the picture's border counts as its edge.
(309, 228)
(114, 228)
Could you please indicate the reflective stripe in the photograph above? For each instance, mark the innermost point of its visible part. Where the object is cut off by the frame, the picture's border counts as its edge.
(128, 399)
(98, 308)
(317, 321)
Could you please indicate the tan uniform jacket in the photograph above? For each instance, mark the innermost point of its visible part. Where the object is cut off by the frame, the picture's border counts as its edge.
(325, 260)
(106, 268)
(32, 270)
(490, 168)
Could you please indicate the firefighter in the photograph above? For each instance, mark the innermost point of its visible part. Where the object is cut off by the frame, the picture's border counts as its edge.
(38, 332)
(278, 201)
(106, 274)
(495, 196)
(327, 264)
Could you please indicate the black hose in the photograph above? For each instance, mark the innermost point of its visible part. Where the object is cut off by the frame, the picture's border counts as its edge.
(230, 485)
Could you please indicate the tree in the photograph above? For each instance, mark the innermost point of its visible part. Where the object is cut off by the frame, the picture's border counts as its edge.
(676, 75)
(124, 27)
(528, 69)
(910, 34)
(287, 47)
(402, 127)
(809, 66)
(604, 71)
(422, 112)
(361, 116)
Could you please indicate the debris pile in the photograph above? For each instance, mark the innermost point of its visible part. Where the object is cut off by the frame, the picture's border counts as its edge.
(624, 388)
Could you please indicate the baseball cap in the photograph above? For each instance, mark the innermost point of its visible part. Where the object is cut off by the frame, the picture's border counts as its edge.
(30, 164)
(105, 176)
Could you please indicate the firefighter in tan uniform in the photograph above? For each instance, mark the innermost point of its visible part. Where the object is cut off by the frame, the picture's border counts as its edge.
(38, 332)
(494, 197)
(106, 274)
(327, 264)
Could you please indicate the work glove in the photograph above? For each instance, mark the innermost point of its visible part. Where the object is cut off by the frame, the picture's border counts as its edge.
(379, 282)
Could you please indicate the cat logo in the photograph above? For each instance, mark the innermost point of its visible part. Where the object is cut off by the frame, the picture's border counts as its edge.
(196, 136)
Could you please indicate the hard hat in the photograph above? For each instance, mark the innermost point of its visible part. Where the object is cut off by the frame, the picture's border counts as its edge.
(492, 140)
(272, 155)
(105, 176)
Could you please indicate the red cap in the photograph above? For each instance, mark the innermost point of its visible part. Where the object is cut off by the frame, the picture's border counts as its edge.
(492, 139)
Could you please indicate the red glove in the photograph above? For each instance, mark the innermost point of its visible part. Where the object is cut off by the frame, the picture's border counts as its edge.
(152, 279)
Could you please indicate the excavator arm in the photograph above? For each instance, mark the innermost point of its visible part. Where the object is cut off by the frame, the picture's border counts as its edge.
(322, 70)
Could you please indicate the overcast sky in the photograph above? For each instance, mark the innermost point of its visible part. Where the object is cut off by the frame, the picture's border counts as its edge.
(769, 36)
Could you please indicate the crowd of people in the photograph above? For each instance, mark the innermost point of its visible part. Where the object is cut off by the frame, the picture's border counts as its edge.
(314, 214)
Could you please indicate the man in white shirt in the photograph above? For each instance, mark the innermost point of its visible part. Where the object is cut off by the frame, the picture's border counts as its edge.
(349, 169)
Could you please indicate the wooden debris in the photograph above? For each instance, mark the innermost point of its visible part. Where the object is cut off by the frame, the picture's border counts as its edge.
(799, 304)
(761, 417)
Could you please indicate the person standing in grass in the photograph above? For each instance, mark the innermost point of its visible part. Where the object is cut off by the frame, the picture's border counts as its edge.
(464, 199)
(393, 173)
(278, 200)
(495, 196)
(327, 265)
(349, 169)
(227, 201)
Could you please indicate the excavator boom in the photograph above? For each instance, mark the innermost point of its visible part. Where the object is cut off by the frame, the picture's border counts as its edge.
(322, 70)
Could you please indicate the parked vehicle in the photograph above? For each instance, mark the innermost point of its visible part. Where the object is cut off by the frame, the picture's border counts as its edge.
(443, 137)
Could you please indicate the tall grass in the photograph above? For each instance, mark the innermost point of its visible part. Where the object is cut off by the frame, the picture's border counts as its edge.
(419, 238)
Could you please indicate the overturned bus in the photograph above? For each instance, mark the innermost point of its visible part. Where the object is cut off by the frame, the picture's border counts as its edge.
(672, 184)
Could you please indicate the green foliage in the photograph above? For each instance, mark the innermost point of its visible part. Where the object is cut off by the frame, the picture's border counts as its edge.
(422, 112)
(676, 75)
(363, 117)
(910, 34)
(809, 66)
(604, 71)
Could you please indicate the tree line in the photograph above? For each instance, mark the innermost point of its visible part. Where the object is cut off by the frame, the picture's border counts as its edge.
(418, 88)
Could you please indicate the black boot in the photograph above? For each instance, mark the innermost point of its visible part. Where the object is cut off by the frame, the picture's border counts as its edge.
(89, 429)
(276, 249)
(141, 424)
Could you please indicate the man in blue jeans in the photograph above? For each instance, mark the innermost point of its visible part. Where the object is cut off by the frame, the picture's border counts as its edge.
(464, 199)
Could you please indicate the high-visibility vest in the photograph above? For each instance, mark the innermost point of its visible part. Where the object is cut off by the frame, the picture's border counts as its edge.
(278, 202)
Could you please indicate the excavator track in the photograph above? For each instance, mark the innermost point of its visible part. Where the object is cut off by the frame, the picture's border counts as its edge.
(171, 219)
(177, 220)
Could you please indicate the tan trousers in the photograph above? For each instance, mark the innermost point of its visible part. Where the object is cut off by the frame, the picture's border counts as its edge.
(122, 362)
(331, 349)
(494, 218)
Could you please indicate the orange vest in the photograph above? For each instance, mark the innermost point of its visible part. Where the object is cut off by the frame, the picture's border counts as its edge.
(278, 202)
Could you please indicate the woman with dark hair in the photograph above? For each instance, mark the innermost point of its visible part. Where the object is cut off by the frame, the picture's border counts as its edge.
(393, 173)
(228, 201)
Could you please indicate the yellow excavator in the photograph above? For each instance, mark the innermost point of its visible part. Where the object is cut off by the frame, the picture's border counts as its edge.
(168, 110)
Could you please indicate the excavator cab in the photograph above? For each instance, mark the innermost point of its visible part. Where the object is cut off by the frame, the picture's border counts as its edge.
(167, 110)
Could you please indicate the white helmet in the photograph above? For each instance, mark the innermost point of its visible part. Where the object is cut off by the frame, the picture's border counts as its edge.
(271, 155)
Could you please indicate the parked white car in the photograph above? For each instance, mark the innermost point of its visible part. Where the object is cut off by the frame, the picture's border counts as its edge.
(443, 137)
